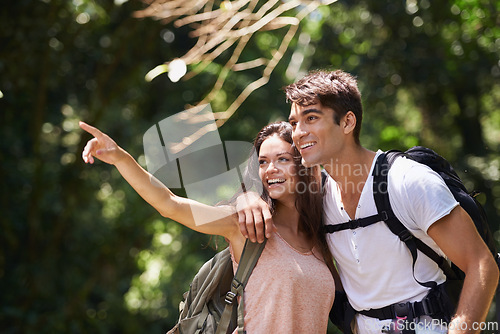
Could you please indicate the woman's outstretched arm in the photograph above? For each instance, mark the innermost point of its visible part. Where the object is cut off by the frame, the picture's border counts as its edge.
(216, 220)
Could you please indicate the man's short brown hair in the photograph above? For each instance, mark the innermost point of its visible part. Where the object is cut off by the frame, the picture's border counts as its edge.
(337, 90)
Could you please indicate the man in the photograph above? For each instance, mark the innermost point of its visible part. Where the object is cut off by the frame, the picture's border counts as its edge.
(375, 266)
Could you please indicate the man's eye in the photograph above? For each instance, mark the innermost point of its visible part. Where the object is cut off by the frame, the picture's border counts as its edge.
(311, 118)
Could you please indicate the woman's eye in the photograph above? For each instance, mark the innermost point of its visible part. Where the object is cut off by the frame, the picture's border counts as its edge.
(262, 162)
(284, 159)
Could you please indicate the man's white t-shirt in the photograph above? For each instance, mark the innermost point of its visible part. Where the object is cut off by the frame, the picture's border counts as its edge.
(375, 266)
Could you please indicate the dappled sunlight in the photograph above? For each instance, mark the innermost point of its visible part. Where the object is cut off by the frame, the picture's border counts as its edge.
(83, 253)
(149, 292)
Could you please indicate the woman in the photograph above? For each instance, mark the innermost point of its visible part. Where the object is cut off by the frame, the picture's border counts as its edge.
(291, 289)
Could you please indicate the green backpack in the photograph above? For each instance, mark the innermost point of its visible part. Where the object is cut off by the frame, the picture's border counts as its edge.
(211, 306)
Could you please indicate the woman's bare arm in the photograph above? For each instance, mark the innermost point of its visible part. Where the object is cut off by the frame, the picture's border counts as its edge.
(208, 219)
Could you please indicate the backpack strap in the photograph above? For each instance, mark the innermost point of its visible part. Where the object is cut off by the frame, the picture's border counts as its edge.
(421, 246)
(435, 304)
(324, 176)
(352, 224)
(249, 257)
(381, 197)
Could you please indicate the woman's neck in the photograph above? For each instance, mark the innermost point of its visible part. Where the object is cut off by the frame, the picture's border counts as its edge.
(286, 216)
(286, 219)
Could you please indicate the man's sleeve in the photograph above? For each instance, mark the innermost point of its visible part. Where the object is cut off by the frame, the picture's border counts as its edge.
(423, 196)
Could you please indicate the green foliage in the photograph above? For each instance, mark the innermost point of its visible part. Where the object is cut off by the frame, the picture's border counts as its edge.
(428, 72)
(81, 253)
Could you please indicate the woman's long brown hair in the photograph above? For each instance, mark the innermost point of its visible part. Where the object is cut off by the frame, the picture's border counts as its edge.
(309, 199)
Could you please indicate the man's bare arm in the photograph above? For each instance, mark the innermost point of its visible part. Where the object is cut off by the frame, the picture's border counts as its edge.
(457, 236)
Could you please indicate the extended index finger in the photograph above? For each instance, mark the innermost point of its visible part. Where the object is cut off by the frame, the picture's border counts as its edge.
(90, 129)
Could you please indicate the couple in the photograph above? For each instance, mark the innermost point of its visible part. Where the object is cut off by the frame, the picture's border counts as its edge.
(291, 289)
(375, 267)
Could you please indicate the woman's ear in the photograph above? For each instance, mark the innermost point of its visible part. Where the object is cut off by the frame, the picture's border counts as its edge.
(349, 122)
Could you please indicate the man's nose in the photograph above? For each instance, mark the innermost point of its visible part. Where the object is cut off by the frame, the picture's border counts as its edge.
(299, 131)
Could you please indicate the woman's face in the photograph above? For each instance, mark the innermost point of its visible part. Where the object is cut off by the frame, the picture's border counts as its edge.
(277, 169)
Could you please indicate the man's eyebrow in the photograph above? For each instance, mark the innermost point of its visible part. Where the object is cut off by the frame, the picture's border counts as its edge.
(307, 111)
(311, 110)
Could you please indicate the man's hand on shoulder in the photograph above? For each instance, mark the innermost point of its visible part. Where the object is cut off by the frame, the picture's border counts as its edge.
(254, 217)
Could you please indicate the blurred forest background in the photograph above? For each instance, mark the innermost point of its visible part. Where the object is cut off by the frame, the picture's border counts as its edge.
(80, 252)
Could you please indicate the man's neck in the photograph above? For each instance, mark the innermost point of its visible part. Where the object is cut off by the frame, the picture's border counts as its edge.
(352, 163)
(350, 171)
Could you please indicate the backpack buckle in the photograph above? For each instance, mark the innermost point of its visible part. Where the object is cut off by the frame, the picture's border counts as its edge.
(432, 305)
(384, 216)
(235, 285)
(403, 310)
(353, 224)
(230, 297)
(405, 235)
(428, 306)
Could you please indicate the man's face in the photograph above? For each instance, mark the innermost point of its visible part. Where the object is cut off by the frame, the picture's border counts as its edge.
(315, 133)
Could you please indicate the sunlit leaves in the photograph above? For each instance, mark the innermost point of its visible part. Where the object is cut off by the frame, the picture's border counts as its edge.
(83, 253)
(86, 10)
(165, 270)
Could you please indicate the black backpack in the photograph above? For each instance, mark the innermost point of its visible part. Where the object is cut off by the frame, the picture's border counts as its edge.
(211, 304)
(466, 199)
(426, 156)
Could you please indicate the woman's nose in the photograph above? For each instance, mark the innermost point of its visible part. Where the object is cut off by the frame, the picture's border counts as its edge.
(271, 167)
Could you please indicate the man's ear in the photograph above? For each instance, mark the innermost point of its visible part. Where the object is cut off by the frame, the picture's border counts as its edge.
(349, 122)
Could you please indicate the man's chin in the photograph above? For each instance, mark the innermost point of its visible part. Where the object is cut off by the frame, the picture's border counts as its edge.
(309, 163)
